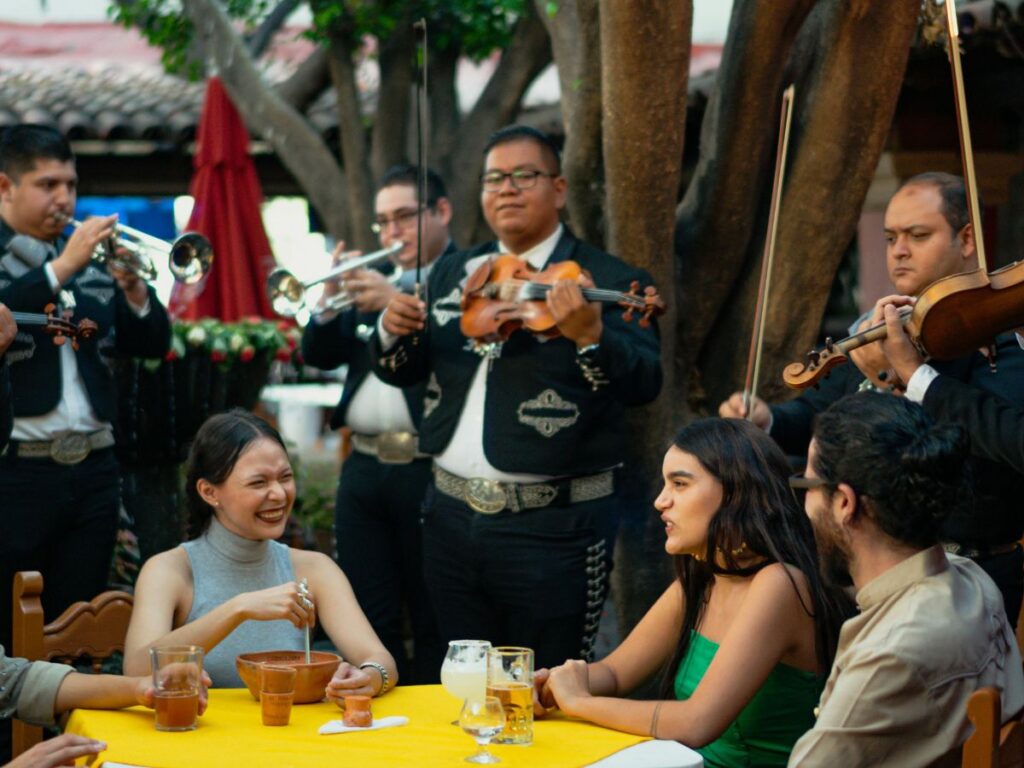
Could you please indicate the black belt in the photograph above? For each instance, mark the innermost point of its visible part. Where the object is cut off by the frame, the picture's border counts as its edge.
(488, 497)
(66, 447)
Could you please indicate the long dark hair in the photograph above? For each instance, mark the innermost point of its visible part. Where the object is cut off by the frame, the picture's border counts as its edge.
(760, 518)
(218, 444)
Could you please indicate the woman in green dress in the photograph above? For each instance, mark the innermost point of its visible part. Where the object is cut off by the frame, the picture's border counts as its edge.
(745, 634)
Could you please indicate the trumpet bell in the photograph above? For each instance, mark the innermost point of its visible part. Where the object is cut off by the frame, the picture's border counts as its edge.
(190, 258)
(287, 294)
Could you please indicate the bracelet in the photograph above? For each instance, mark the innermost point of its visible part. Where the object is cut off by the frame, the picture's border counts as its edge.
(385, 678)
(654, 719)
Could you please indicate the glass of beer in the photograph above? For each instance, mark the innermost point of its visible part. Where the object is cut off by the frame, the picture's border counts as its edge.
(177, 673)
(510, 680)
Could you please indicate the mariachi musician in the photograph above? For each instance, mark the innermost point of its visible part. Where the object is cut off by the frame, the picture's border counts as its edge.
(384, 479)
(520, 520)
(929, 236)
(60, 489)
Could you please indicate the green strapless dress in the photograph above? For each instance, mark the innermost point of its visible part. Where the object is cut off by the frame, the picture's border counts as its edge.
(765, 731)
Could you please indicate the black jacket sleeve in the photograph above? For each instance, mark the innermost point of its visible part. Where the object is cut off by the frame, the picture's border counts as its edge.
(148, 336)
(331, 344)
(996, 428)
(6, 409)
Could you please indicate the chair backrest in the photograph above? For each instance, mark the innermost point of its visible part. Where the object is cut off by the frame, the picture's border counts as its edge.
(993, 744)
(94, 630)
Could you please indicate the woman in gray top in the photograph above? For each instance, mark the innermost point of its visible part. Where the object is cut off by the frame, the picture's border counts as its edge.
(234, 589)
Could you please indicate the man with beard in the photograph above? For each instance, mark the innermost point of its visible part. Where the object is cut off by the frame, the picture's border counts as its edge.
(881, 478)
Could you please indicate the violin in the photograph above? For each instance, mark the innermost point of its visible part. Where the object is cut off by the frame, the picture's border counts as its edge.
(505, 294)
(956, 314)
(62, 329)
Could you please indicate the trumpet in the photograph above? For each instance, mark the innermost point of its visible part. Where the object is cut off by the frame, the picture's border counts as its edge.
(288, 294)
(189, 257)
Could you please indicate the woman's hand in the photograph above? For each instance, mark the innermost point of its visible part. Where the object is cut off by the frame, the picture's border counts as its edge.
(351, 681)
(284, 602)
(543, 700)
(62, 750)
(569, 683)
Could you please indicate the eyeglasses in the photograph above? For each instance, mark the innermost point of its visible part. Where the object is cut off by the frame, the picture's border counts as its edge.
(800, 482)
(493, 181)
(403, 219)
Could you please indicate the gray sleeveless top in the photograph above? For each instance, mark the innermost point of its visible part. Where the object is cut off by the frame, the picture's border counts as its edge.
(224, 565)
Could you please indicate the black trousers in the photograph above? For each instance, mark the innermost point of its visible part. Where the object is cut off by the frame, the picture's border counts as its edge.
(61, 521)
(537, 578)
(380, 549)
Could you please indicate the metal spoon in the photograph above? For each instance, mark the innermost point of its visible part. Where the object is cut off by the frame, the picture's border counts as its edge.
(304, 591)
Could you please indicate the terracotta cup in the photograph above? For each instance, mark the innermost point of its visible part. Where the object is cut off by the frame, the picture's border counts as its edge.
(277, 692)
(357, 712)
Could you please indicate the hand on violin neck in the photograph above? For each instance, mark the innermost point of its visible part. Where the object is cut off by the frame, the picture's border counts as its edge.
(900, 353)
(871, 358)
(404, 314)
(577, 319)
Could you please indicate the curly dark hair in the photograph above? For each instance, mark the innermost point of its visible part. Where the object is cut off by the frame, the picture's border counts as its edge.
(909, 472)
(760, 516)
(216, 449)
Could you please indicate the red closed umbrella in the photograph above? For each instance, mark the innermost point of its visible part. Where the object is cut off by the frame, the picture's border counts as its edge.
(227, 211)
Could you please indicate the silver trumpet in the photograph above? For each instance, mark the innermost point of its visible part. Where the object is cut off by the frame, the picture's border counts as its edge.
(189, 257)
(288, 294)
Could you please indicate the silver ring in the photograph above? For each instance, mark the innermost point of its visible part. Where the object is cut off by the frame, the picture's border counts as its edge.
(306, 603)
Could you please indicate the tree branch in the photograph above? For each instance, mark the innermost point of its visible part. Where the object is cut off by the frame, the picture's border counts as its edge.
(264, 33)
(307, 82)
(296, 143)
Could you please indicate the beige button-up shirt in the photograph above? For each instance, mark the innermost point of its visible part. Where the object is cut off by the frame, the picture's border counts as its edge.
(931, 631)
(28, 690)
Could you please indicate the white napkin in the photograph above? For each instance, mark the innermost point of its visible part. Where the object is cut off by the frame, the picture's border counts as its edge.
(338, 726)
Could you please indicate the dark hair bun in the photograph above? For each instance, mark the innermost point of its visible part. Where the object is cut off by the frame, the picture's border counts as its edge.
(938, 452)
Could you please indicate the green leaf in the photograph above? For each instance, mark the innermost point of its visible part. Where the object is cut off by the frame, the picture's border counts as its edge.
(551, 8)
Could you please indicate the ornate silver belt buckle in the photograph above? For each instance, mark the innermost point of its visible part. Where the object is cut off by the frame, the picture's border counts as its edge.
(485, 496)
(396, 447)
(69, 448)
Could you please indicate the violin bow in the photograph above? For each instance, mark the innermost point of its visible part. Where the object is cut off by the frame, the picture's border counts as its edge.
(421, 147)
(966, 151)
(767, 260)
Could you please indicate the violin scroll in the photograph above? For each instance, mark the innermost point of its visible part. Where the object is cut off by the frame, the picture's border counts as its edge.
(815, 368)
(649, 305)
(62, 329)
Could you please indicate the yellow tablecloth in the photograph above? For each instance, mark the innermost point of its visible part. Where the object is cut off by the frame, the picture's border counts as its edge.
(230, 733)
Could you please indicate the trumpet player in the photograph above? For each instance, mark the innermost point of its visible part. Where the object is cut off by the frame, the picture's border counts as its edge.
(383, 480)
(59, 479)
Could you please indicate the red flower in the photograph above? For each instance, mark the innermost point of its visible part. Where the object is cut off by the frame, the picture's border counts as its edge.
(171, 355)
(247, 354)
(218, 355)
(283, 354)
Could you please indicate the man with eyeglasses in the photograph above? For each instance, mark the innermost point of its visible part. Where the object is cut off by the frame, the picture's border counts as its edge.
(384, 479)
(881, 479)
(527, 435)
(929, 236)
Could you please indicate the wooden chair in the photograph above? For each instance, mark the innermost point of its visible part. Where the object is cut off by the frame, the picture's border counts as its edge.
(992, 745)
(94, 629)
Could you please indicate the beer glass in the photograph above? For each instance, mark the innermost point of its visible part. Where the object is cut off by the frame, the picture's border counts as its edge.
(177, 677)
(510, 680)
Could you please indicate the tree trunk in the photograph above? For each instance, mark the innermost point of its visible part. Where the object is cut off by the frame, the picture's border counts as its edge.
(575, 33)
(645, 54)
(396, 73)
(298, 146)
(526, 56)
(855, 55)
(353, 143)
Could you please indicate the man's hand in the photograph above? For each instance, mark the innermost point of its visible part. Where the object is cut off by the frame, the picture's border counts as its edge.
(333, 287)
(8, 328)
(579, 320)
(870, 358)
(404, 314)
(900, 353)
(62, 750)
(145, 693)
(82, 245)
(370, 290)
(735, 408)
(134, 287)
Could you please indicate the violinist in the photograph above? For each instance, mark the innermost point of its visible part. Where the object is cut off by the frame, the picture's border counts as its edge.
(527, 434)
(928, 237)
(376, 514)
(59, 479)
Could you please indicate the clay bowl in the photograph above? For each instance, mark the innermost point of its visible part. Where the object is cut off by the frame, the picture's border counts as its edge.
(310, 679)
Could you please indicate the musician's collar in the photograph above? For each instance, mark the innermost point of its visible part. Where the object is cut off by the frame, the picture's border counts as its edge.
(539, 255)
